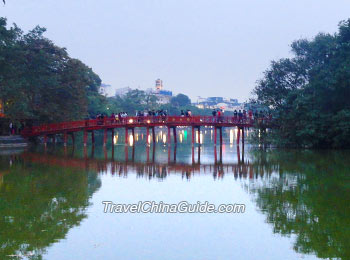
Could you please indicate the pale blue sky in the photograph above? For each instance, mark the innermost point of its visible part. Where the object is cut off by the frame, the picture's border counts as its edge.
(197, 47)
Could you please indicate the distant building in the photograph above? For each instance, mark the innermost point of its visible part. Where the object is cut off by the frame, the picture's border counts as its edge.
(163, 96)
(159, 84)
(122, 91)
(102, 89)
(228, 104)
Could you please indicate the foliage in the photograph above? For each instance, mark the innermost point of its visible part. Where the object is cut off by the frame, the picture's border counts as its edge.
(309, 93)
(180, 100)
(138, 100)
(39, 81)
(306, 195)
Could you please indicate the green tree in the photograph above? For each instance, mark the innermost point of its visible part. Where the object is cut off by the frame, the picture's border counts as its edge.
(39, 81)
(180, 100)
(308, 93)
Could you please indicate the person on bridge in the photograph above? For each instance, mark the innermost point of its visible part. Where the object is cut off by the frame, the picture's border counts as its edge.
(250, 114)
(235, 115)
(182, 113)
(240, 116)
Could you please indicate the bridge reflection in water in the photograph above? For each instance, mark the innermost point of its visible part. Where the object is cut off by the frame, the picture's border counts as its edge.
(150, 167)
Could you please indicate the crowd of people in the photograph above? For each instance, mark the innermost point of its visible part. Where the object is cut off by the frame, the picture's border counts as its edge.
(218, 115)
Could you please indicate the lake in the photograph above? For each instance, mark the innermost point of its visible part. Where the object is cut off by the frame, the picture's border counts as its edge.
(296, 201)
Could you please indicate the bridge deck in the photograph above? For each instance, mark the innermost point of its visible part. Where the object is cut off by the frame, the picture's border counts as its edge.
(132, 122)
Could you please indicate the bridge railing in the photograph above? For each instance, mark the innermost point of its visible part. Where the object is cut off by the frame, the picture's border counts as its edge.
(141, 121)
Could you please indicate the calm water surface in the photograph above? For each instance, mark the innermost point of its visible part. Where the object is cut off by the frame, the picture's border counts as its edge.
(297, 202)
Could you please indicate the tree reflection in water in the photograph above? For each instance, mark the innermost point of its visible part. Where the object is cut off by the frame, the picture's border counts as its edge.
(308, 196)
(39, 204)
(303, 194)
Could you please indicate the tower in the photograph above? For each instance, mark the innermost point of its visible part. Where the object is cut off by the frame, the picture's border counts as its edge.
(159, 84)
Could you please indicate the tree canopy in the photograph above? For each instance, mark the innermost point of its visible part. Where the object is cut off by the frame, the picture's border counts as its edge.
(39, 80)
(309, 93)
(180, 100)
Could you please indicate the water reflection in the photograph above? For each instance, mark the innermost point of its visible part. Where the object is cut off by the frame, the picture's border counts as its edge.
(303, 195)
(39, 203)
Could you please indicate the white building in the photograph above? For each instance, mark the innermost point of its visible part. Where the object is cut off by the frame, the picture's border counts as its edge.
(121, 92)
(102, 89)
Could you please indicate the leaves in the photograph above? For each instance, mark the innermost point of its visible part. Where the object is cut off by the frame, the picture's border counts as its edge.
(39, 81)
(310, 91)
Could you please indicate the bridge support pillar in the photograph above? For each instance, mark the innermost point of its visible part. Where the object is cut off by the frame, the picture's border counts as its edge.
(199, 135)
(105, 132)
(112, 136)
(133, 136)
(242, 136)
(174, 133)
(85, 137)
(73, 138)
(93, 137)
(192, 135)
(45, 140)
(147, 137)
(126, 136)
(215, 134)
(169, 136)
(153, 135)
(220, 136)
(65, 138)
(238, 135)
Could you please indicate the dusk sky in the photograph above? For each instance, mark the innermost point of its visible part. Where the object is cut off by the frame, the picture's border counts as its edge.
(199, 48)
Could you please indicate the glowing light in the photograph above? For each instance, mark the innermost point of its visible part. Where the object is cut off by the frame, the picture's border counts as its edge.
(137, 137)
(131, 121)
(148, 121)
(149, 138)
(131, 140)
(200, 137)
(164, 138)
(231, 136)
(181, 137)
(115, 139)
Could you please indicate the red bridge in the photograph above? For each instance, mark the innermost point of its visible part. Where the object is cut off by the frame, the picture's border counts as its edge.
(148, 122)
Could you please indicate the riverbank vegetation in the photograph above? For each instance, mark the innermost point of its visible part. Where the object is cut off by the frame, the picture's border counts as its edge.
(309, 93)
